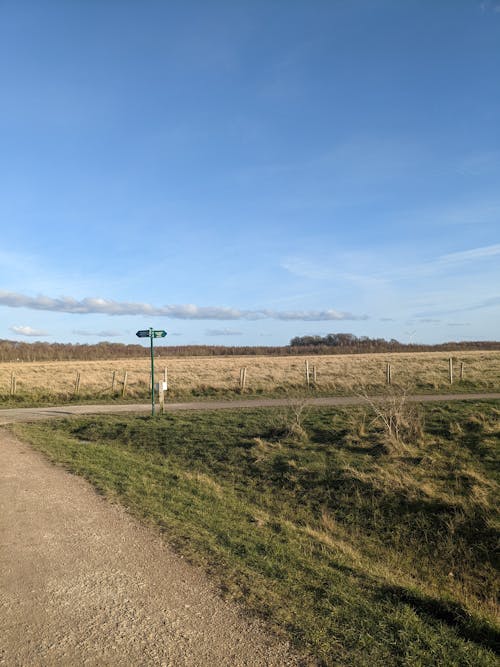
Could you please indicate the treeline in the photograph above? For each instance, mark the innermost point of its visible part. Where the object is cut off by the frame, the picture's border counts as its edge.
(346, 343)
(303, 345)
(42, 351)
(344, 340)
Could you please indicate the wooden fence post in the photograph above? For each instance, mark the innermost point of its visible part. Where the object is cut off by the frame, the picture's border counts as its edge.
(462, 371)
(307, 373)
(113, 381)
(13, 384)
(77, 383)
(314, 374)
(165, 377)
(450, 369)
(388, 373)
(125, 378)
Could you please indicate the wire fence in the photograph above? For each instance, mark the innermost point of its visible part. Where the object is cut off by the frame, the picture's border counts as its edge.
(265, 375)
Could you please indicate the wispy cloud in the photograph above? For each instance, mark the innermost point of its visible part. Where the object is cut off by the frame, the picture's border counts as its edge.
(469, 255)
(27, 331)
(443, 264)
(473, 213)
(304, 268)
(308, 315)
(448, 262)
(374, 277)
(97, 334)
(489, 6)
(485, 303)
(223, 332)
(479, 163)
(94, 305)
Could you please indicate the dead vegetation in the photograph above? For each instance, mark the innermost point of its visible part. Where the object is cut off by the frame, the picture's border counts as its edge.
(280, 376)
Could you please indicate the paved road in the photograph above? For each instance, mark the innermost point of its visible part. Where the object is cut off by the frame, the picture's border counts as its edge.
(11, 415)
(82, 583)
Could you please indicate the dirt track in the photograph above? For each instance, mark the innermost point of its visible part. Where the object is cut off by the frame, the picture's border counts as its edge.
(11, 415)
(82, 583)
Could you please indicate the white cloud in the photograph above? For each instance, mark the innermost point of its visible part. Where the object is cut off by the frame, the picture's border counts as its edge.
(27, 331)
(95, 305)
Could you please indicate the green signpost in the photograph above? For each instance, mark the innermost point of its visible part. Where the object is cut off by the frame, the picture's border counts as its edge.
(152, 334)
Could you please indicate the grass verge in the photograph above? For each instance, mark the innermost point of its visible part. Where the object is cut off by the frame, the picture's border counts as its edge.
(363, 547)
(41, 397)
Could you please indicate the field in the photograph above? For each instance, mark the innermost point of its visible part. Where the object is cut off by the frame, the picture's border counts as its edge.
(53, 382)
(367, 542)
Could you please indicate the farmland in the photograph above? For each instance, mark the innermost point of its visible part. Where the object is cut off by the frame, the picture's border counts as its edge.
(33, 383)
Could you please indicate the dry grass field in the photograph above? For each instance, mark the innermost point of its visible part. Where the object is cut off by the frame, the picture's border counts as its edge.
(265, 375)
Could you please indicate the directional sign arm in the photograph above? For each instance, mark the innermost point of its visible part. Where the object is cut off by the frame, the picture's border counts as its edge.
(151, 333)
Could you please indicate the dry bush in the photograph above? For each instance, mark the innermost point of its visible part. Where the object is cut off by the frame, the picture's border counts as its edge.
(297, 410)
(287, 422)
(399, 419)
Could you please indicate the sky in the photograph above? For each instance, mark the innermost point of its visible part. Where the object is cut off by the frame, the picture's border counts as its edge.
(243, 172)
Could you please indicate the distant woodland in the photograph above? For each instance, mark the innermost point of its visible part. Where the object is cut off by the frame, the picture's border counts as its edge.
(335, 343)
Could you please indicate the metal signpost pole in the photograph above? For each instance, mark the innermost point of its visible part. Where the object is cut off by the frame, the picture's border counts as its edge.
(152, 333)
(152, 373)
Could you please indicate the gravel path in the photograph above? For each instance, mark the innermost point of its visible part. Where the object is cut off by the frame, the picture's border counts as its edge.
(11, 415)
(82, 583)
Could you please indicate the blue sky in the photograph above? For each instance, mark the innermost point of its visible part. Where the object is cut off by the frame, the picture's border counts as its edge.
(245, 172)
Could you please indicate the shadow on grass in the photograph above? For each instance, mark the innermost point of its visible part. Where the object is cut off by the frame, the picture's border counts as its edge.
(446, 611)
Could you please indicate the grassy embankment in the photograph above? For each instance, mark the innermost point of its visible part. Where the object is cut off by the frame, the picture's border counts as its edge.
(194, 378)
(368, 540)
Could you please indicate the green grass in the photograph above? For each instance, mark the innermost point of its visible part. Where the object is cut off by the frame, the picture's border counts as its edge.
(363, 547)
(40, 397)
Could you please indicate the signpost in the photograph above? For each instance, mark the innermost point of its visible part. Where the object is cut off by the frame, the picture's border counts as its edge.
(151, 334)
